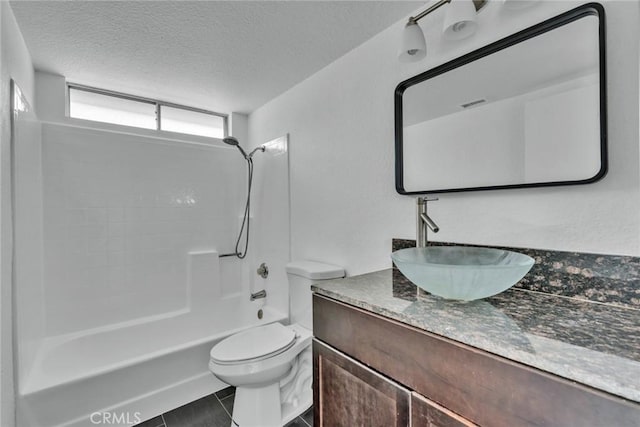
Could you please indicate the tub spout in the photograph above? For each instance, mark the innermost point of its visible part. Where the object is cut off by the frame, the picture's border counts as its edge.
(258, 295)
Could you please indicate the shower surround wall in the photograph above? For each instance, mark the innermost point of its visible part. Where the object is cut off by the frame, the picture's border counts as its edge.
(121, 215)
(270, 222)
(28, 265)
(15, 63)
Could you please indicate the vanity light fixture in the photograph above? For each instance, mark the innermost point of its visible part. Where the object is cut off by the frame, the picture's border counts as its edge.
(459, 23)
(518, 4)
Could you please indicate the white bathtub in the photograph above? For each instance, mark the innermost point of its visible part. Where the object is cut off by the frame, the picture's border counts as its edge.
(136, 370)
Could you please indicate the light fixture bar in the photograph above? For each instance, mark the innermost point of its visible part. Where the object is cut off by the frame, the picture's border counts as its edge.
(479, 4)
(428, 11)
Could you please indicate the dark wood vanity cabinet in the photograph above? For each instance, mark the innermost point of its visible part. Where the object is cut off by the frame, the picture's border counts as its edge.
(341, 381)
(370, 370)
(427, 413)
(349, 394)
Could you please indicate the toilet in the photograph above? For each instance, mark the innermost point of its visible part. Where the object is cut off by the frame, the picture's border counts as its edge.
(270, 365)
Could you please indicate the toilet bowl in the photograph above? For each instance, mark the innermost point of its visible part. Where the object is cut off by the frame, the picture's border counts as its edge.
(270, 365)
(255, 362)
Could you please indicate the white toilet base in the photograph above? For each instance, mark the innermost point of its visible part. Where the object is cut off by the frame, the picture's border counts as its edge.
(273, 390)
(257, 407)
(289, 412)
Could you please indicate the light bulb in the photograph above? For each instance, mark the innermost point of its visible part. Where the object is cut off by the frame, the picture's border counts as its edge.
(460, 20)
(414, 47)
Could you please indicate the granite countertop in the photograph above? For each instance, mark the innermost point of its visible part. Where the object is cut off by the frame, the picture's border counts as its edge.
(587, 342)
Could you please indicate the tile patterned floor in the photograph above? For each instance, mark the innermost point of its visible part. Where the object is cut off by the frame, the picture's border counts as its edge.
(211, 411)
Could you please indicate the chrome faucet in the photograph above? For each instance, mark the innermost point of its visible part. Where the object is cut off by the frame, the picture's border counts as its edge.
(258, 295)
(423, 221)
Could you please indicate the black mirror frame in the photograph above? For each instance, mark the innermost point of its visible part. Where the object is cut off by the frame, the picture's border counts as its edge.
(589, 9)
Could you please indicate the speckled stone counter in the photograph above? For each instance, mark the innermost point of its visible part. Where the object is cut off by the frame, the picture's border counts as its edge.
(587, 342)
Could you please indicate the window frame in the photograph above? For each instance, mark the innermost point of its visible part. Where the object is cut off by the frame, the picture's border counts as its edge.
(158, 104)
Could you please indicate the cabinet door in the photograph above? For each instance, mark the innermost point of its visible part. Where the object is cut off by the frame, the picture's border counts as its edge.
(347, 393)
(427, 413)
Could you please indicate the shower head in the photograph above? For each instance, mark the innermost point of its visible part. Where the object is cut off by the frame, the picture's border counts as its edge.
(233, 141)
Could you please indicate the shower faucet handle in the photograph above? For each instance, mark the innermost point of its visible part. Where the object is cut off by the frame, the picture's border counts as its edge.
(263, 271)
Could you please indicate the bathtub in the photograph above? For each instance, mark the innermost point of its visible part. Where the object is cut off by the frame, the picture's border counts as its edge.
(134, 371)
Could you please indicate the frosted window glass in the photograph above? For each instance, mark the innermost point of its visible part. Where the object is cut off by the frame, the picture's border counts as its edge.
(111, 109)
(191, 122)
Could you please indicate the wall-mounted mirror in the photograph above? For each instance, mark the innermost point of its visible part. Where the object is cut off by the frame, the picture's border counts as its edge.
(526, 111)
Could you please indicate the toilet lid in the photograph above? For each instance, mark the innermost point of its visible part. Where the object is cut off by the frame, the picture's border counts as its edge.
(255, 343)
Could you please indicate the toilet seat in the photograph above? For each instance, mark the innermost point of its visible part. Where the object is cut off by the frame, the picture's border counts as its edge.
(253, 345)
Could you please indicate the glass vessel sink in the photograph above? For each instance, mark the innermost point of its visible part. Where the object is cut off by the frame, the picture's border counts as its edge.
(461, 272)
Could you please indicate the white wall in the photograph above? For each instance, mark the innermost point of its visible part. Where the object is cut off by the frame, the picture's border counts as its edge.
(344, 208)
(15, 62)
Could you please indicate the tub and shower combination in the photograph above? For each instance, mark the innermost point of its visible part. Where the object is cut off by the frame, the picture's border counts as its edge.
(120, 292)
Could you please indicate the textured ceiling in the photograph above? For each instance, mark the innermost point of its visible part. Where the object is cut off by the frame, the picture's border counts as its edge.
(222, 55)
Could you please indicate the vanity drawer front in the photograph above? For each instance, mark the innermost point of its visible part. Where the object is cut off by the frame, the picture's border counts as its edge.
(427, 413)
(347, 393)
(486, 389)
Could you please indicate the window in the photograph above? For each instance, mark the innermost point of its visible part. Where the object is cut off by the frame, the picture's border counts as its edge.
(176, 119)
(110, 107)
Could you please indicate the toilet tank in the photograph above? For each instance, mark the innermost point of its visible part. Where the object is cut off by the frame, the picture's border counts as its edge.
(301, 274)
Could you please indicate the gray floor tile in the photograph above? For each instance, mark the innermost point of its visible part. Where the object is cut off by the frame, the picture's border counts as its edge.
(153, 422)
(225, 392)
(205, 412)
(227, 402)
(297, 422)
(308, 416)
